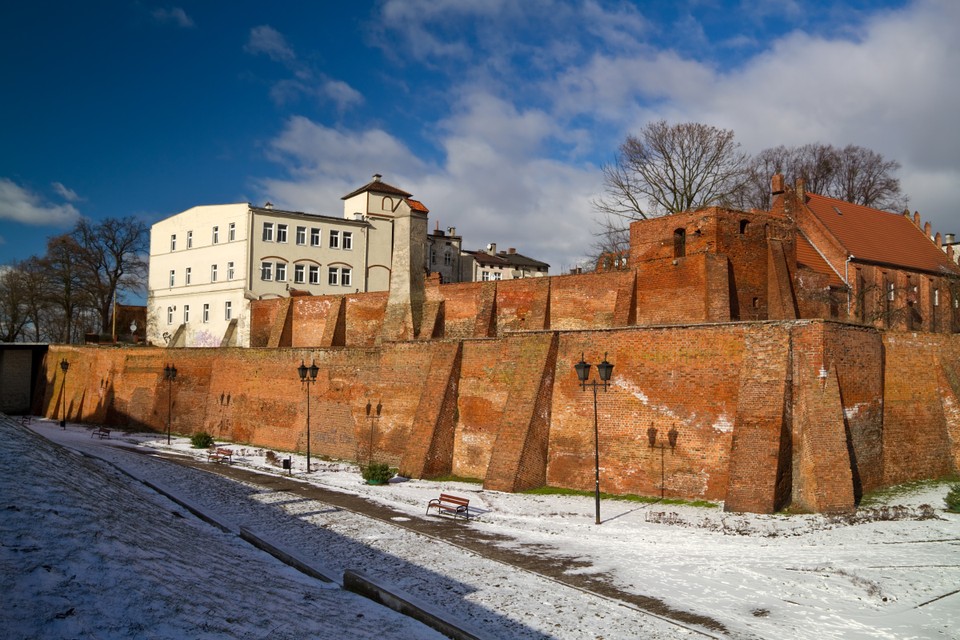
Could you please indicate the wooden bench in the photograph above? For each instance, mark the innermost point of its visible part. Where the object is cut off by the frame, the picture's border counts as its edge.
(451, 505)
(100, 432)
(217, 454)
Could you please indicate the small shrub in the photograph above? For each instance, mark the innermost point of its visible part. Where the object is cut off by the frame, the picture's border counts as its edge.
(201, 440)
(953, 499)
(377, 473)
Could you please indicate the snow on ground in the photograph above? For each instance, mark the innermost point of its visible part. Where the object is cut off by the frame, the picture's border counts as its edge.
(759, 576)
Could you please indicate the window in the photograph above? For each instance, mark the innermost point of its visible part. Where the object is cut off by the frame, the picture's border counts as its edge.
(189, 239)
(229, 271)
(268, 232)
(227, 310)
(266, 271)
(485, 276)
(936, 297)
(216, 235)
(281, 272)
(890, 291)
(433, 256)
(314, 274)
(213, 273)
(447, 258)
(169, 315)
(298, 273)
(206, 312)
(232, 232)
(334, 239)
(348, 240)
(333, 276)
(186, 313)
(281, 233)
(301, 236)
(497, 275)
(314, 237)
(173, 242)
(346, 277)
(187, 275)
(743, 226)
(173, 278)
(679, 243)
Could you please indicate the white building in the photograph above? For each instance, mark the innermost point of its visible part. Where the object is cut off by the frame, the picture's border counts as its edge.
(208, 262)
(488, 264)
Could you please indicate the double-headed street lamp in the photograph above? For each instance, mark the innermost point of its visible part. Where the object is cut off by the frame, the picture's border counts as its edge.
(605, 369)
(169, 374)
(64, 365)
(308, 375)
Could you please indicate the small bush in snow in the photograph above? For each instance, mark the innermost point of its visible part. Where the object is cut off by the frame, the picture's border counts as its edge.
(953, 499)
(377, 473)
(201, 440)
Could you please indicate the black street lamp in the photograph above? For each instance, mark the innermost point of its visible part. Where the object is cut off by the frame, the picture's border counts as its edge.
(671, 442)
(373, 420)
(605, 369)
(169, 374)
(308, 375)
(64, 365)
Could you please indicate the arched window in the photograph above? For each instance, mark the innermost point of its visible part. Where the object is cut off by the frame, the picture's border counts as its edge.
(679, 243)
(743, 226)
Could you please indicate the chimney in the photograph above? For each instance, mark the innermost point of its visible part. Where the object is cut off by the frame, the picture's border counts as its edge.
(776, 185)
(916, 218)
(927, 228)
(938, 240)
(268, 205)
(376, 177)
(511, 251)
(950, 238)
(801, 190)
(452, 231)
(492, 248)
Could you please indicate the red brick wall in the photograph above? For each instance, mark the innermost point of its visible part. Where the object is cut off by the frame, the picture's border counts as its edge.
(755, 419)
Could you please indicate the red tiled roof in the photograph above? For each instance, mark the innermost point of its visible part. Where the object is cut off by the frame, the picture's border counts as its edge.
(878, 236)
(416, 205)
(378, 187)
(809, 257)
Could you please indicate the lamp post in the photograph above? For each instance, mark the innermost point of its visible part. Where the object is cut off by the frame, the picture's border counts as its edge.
(64, 365)
(308, 375)
(169, 374)
(373, 419)
(605, 369)
(671, 442)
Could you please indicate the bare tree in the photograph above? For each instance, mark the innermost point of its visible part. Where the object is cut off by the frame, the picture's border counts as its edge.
(111, 258)
(852, 174)
(13, 307)
(66, 293)
(667, 168)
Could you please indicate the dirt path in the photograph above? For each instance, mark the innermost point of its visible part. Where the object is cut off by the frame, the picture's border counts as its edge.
(461, 533)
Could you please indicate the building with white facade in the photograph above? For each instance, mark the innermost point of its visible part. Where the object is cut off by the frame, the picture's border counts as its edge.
(488, 264)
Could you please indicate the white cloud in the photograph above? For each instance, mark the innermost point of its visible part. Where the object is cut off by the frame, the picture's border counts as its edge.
(174, 15)
(20, 205)
(520, 145)
(270, 42)
(66, 193)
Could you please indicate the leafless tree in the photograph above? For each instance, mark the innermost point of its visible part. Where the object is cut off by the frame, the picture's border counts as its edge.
(66, 293)
(13, 307)
(852, 174)
(667, 168)
(111, 258)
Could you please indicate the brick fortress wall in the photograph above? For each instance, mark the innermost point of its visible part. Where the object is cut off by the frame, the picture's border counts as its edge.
(757, 423)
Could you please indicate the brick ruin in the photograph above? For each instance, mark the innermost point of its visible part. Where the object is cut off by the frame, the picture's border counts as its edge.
(714, 329)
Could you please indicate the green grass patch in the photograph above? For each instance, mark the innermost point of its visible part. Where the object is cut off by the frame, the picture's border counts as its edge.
(559, 491)
(451, 478)
(882, 496)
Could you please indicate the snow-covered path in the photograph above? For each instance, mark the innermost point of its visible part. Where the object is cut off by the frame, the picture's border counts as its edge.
(759, 576)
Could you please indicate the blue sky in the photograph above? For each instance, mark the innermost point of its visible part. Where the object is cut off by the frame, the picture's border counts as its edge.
(496, 114)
